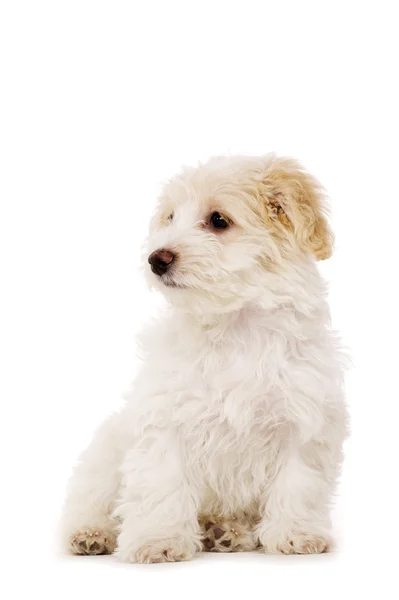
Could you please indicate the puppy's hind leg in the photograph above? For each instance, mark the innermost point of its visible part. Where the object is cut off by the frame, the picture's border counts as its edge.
(87, 524)
(235, 534)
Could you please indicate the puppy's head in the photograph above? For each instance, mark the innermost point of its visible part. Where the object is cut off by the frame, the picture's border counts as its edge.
(222, 230)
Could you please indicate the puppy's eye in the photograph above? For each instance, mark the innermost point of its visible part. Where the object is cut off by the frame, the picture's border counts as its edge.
(170, 217)
(217, 221)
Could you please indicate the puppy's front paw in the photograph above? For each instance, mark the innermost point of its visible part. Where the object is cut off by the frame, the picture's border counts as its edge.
(92, 541)
(174, 549)
(297, 542)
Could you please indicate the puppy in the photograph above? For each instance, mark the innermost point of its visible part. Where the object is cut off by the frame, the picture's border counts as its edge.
(231, 438)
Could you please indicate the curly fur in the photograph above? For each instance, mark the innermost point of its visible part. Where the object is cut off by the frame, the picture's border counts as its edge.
(236, 420)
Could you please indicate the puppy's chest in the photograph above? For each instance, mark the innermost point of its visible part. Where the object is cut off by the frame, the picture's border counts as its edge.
(229, 388)
(225, 367)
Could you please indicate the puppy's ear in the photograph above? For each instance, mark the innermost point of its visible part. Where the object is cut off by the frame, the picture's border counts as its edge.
(297, 201)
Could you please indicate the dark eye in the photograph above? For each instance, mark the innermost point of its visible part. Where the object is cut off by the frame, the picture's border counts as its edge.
(170, 217)
(217, 221)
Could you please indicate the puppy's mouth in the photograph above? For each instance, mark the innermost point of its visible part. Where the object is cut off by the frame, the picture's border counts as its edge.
(169, 282)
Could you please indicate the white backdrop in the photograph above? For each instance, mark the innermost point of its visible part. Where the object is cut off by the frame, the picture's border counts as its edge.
(100, 102)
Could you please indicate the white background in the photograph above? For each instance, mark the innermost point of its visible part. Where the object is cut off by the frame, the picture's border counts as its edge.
(100, 102)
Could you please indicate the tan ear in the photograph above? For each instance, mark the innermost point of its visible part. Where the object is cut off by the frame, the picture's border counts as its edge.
(299, 203)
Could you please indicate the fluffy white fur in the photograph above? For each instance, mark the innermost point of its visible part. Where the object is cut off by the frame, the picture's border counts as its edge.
(237, 417)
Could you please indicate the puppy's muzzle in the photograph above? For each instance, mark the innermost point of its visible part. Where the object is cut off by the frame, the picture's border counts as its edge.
(160, 261)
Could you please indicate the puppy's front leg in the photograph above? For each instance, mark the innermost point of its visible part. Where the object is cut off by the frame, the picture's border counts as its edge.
(296, 503)
(158, 505)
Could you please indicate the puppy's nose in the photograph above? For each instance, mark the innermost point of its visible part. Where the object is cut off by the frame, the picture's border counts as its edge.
(160, 261)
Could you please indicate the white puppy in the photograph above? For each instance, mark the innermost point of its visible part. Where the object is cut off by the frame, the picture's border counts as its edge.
(232, 436)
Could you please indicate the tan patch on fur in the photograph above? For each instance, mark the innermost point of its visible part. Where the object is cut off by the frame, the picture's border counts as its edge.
(296, 201)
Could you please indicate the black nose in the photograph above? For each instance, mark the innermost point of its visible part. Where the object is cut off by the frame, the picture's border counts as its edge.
(160, 261)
